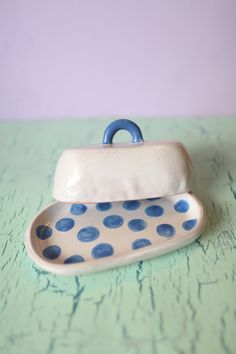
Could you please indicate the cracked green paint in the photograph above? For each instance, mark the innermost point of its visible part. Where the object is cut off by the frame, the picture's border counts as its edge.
(183, 302)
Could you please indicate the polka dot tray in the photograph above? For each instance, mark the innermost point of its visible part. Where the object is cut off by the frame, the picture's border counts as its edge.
(80, 238)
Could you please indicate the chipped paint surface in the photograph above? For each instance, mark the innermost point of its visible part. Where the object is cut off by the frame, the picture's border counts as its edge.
(183, 302)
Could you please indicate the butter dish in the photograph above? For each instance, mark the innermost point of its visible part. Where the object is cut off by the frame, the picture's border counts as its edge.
(116, 204)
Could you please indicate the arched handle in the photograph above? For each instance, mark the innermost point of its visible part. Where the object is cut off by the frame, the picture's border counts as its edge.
(122, 124)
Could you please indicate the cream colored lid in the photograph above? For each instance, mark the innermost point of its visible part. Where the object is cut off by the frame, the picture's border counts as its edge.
(115, 172)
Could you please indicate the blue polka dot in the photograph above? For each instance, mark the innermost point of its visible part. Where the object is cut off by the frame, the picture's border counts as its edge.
(102, 250)
(65, 224)
(166, 230)
(151, 199)
(103, 206)
(189, 224)
(52, 252)
(78, 209)
(88, 234)
(137, 225)
(154, 210)
(43, 232)
(131, 204)
(113, 221)
(141, 242)
(74, 259)
(181, 206)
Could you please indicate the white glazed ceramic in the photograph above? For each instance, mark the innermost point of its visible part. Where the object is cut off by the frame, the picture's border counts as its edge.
(80, 238)
(119, 172)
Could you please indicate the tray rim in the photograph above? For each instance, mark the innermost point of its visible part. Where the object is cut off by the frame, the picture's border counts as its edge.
(96, 265)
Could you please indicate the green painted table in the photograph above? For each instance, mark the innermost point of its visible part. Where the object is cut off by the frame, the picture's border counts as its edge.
(183, 302)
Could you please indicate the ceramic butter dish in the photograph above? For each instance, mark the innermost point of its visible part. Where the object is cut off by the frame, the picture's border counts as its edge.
(116, 204)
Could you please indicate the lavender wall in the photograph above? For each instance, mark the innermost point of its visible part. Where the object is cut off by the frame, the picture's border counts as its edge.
(121, 58)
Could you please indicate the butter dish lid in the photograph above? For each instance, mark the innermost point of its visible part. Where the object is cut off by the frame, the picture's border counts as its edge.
(115, 172)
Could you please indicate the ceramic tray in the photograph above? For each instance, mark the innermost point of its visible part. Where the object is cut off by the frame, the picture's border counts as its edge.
(80, 238)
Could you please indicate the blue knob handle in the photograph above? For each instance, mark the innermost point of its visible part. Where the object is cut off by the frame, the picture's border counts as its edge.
(122, 124)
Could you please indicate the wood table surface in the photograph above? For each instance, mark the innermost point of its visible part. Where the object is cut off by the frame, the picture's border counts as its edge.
(183, 302)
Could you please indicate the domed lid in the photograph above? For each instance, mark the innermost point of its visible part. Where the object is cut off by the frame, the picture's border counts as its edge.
(115, 172)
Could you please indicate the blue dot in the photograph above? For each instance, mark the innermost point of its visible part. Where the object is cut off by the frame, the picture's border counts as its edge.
(151, 199)
(88, 234)
(131, 204)
(181, 206)
(52, 252)
(65, 224)
(74, 259)
(189, 224)
(154, 210)
(113, 221)
(137, 225)
(103, 206)
(102, 250)
(43, 232)
(141, 242)
(166, 230)
(78, 209)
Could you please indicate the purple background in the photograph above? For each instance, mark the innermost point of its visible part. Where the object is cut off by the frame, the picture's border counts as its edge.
(117, 58)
